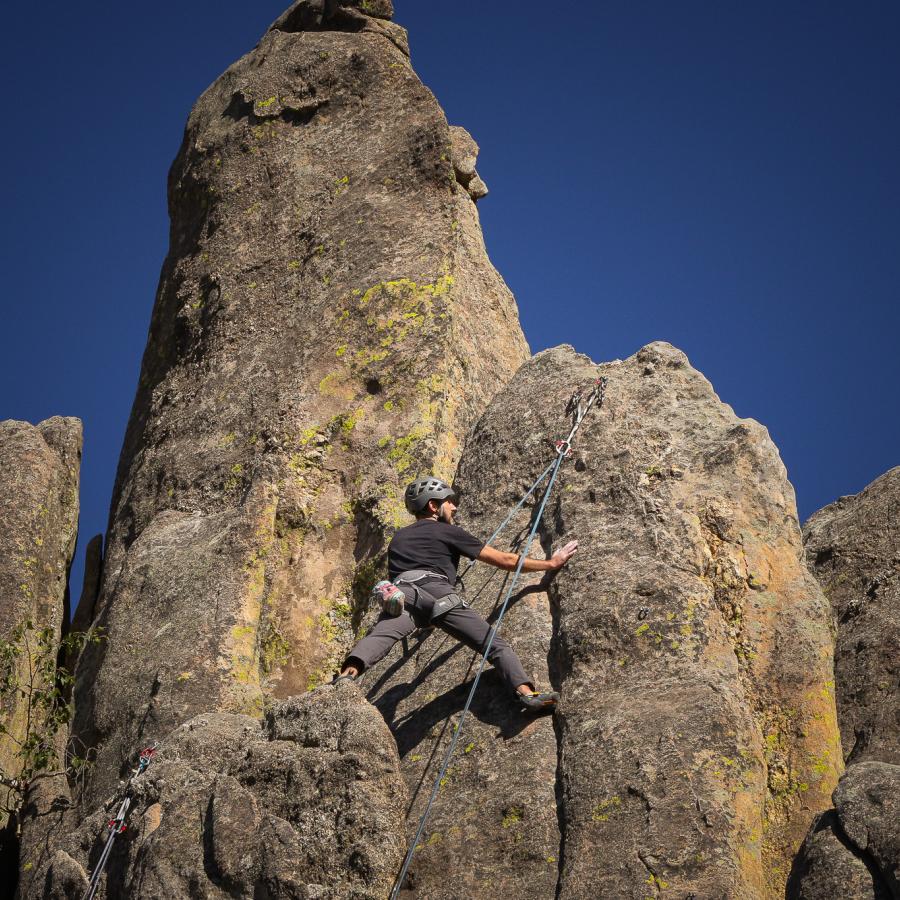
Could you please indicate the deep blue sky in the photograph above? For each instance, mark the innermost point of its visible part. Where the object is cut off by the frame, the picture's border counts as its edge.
(721, 176)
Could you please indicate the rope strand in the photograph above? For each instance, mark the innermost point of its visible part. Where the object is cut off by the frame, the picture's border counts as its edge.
(563, 450)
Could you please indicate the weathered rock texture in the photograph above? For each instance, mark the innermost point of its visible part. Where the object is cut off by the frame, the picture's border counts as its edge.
(853, 851)
(327, 325)
(39, 471)
(696, 734)
(853, 548)
(308, 804)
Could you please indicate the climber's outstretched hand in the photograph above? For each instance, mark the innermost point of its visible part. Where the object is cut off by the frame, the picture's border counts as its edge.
(563, 555)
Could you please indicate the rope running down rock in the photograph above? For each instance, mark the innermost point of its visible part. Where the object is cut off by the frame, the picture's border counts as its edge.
(578, 406)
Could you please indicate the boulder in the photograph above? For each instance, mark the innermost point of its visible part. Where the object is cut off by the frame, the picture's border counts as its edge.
(463, 153)
(867, 801)
(853, 851)
(308, 803)
(829, 866)
(327, 326)
(853, 548)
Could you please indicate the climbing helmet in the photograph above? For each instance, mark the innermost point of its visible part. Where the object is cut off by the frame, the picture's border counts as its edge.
(420, 491)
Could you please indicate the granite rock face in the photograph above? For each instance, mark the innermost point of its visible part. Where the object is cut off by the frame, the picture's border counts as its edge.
(327, 326)
(39, 472)
(696, 736)
(853, 851)
(307, 804)
(853, 548)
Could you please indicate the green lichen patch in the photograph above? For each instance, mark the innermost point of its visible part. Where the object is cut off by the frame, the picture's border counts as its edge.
(606, 808)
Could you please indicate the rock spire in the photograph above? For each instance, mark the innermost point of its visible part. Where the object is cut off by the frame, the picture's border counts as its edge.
(327, 326)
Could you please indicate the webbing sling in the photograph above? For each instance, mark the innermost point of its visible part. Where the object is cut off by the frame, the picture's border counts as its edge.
(563, 450)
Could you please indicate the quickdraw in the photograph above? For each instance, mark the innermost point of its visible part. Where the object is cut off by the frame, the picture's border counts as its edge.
(117, 826)
(578, 406)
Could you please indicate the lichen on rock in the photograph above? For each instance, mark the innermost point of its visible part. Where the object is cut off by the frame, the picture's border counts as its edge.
(327, 325)
(696, 735)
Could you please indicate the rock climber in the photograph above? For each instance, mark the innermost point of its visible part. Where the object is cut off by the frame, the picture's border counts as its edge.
(422, 561)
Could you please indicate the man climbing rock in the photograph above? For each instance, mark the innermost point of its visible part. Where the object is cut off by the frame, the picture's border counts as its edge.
(422, 562)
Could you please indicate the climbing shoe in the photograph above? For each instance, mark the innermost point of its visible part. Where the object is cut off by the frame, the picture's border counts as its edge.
(337, 678)
(538, 700)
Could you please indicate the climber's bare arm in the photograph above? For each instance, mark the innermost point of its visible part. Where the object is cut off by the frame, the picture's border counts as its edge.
(509, 561)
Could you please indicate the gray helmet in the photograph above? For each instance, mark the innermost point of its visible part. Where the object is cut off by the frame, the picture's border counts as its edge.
(417, 494)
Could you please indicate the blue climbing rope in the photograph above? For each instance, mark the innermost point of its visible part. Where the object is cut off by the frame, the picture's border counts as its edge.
(512, 512)
(579, 410)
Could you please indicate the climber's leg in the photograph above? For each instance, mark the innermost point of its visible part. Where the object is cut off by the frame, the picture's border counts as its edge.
(467, 626)
(378, 642)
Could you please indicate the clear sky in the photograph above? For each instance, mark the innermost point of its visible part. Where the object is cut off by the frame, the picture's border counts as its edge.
(721, 176)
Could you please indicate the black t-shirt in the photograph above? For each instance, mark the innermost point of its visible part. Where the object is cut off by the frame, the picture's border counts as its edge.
(433, 545)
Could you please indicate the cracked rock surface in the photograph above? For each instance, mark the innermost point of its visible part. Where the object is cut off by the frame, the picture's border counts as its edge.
(696, 736)
(327, 325)
(306, 804)
(853, 549)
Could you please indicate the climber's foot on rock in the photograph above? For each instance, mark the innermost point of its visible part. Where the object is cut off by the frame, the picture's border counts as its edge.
(538, 701)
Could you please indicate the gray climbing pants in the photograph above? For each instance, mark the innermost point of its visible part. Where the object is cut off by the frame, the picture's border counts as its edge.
(462, 623)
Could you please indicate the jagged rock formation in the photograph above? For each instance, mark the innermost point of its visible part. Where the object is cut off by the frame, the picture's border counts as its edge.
(306, 804)
(853, 851)
(39, 472)
(853, 548)
(327, 325)
(90, 585)
(696, 736)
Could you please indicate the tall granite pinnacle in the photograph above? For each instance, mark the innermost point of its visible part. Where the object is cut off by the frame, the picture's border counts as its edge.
(39, 476)
(327, 325)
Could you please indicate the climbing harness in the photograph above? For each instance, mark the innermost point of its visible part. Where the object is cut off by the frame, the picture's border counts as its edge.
(117, 825)
(579, 405)
(433, 595)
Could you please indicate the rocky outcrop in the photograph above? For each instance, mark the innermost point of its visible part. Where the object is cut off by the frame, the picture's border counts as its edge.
(464, 154)
(853, 548)
(39, 472)
(307, 804)
(853, 851)
(696, 736)
(327, 325)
